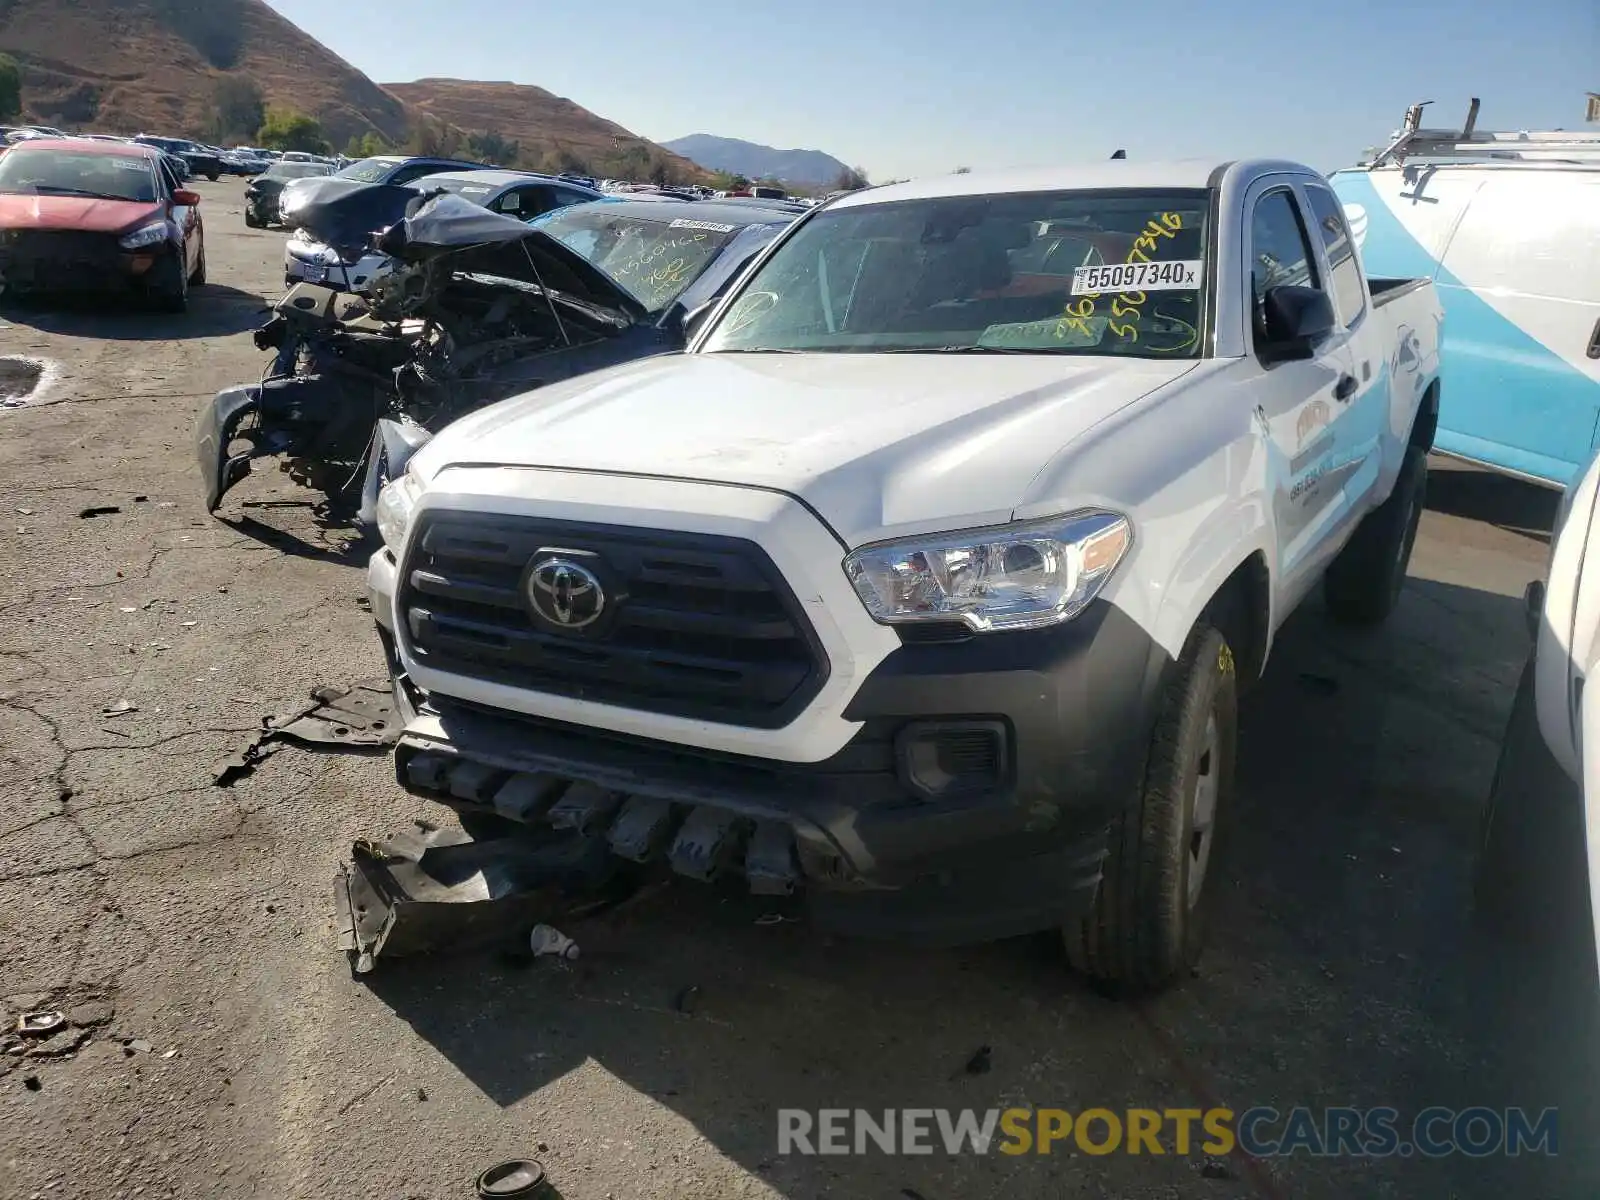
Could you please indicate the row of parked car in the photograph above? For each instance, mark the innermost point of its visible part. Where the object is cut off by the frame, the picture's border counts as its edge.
(188, 159)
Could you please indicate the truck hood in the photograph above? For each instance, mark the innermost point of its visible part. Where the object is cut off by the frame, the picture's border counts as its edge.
(78, 213)
(877, 444)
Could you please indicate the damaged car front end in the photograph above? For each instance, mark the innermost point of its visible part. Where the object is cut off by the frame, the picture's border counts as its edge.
(470, 307)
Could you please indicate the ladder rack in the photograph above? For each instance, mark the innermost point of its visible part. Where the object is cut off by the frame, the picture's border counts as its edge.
(1469, 144)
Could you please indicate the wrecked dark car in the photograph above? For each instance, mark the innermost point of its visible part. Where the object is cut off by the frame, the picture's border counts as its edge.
(472, 307)
(263, 196)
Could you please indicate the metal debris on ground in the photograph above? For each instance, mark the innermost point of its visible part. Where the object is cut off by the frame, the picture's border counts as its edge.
(40, 1024)
(443, 889)
(98, 510)
(120, 709)
(547, 941)
(360, 717)
(522, 1178)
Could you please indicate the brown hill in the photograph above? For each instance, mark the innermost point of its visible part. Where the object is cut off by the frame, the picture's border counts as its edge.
(549, 131)
(126, 66)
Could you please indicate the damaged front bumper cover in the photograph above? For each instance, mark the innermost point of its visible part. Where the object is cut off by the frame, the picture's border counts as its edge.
(427, 890)
(215, 433)
(920, 875)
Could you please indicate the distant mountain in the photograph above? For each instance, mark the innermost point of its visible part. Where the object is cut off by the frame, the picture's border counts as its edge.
(756, 161)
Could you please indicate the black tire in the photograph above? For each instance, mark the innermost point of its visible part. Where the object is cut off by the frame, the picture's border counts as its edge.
(171, 293)
(1146, 927)
(250, 221)
(198, 279)
(212, 176)
(1363, 583)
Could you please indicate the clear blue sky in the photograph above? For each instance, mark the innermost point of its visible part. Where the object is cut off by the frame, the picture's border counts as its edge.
(908, 88)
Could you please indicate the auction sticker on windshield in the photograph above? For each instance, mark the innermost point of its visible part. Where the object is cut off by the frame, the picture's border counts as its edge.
(713, 226)
(1176, 276)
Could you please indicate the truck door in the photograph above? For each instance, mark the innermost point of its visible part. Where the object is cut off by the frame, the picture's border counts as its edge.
(1520, 284)
(1301, 402)
(1363, 410)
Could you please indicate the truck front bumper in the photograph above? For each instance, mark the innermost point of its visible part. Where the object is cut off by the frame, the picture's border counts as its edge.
(972, 803)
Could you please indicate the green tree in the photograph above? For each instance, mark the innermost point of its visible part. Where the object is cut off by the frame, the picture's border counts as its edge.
(239, 109)
(285, 129)
(10, 88)
(492, 148)
(559, 159)
(367, 145)
(434, 139)
(851, 179)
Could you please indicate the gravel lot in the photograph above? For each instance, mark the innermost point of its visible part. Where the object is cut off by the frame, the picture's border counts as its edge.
(1347, 968)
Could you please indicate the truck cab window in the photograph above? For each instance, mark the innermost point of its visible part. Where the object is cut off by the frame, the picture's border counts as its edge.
(1279, 252)
(1348, 293)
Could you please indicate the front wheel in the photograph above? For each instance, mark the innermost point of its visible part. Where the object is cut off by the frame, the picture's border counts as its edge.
(1146, 926)
(171, 292)
(1363, 583)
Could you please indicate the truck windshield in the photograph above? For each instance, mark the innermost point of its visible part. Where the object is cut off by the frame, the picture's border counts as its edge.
(1080, 272)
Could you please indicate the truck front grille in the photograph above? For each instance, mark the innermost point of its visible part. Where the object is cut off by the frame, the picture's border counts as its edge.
(693, 625)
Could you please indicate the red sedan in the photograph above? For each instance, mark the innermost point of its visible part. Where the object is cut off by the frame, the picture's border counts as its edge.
(87, 216)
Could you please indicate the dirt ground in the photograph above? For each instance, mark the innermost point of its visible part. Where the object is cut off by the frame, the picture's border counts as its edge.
(230, 1052)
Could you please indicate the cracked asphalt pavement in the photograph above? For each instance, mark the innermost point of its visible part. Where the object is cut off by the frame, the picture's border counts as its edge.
(218, 1045)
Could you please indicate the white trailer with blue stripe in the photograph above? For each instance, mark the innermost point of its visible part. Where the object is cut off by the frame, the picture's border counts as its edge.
(1507, 225)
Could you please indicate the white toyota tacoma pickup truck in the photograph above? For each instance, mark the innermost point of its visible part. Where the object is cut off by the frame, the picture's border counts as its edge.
(926, 581)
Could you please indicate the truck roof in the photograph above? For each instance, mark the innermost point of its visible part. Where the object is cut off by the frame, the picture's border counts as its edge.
(1118, 173)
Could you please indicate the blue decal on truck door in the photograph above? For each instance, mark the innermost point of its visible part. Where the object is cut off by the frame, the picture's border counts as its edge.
(1505, 398)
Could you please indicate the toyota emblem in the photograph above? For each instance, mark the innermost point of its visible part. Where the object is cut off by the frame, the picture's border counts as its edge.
(565, 593)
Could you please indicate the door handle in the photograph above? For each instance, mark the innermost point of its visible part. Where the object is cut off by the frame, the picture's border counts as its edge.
(1345, 388)
(1594, 341)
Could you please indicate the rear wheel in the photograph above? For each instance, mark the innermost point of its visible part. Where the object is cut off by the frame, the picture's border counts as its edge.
(1363, 583)
(1146, 926)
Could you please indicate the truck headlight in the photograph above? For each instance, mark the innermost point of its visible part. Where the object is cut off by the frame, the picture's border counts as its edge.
(396, 502)
(1020, 576)
(150, 235)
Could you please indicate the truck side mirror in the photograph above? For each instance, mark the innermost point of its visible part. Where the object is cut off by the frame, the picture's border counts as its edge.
(694, 319)
(1295, 319)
